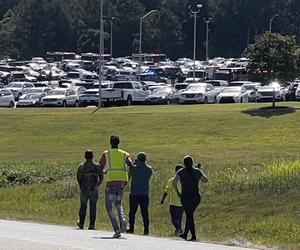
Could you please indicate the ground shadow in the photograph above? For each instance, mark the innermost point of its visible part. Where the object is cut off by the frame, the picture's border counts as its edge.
(268, 112)
(109, 238)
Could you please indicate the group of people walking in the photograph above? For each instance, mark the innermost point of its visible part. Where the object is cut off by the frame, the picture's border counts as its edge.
(117, 167)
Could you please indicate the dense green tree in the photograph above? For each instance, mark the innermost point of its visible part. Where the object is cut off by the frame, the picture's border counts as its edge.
(73, 25)
(273, 56)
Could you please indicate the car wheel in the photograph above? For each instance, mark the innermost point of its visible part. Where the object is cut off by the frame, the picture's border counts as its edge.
(129, 101)
(215, 100)
(205, 100)
(241, 101)
(11, 105)
(76, 104)
(64, 104)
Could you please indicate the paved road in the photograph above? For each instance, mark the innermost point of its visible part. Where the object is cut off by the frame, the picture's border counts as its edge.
(28, 236)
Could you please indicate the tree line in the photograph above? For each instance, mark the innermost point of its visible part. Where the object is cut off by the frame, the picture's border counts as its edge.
(32, 27)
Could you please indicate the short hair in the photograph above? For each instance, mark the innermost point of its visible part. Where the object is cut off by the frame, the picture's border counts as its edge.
(114, 139)
(142, 156)
(188, 161)
(178, 167)
(88, 154)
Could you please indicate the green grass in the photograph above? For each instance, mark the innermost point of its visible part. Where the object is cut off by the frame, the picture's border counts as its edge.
(250, 155)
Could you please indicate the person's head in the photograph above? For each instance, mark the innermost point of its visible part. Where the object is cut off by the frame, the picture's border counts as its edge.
(114, 141)
(88, 154)
(188, 161)
(178, 167)
(141, 157)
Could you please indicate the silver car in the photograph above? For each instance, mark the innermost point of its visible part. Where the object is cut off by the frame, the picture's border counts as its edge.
(7, 99)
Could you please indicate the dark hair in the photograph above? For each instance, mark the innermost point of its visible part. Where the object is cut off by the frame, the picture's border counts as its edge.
(188, 163)
(142, 157)
(114, 140)
(178, 167)
(88, 154)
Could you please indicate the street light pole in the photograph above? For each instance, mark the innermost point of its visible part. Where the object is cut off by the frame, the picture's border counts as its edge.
(140, 42)
(111, 37)
(207, 33)
(271, 20)
(199, 6)
(100, 52)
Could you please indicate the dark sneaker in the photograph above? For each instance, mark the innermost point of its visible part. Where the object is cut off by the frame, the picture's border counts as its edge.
(130, 231)
(178, 232)
(91, 227)
(79, 225)
(194, 238)
(117, 235)
(183, 236)
(146, 232)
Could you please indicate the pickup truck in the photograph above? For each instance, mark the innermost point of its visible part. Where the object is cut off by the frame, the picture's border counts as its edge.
(127, 92)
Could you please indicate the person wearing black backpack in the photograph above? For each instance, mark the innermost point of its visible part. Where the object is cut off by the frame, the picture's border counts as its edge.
(89, 177)
(190, 196)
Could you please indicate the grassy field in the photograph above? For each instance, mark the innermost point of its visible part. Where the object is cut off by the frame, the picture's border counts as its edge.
(250, 154)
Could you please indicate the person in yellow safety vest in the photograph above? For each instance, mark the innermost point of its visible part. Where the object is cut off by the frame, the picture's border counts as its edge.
(115, 163)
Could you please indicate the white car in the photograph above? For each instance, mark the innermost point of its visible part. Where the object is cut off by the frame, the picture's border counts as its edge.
(265, 93)
(89, 97)
(198, 93)
(17, 88)
(233, 95)
(252, 88)
(61, 97)
(7, 98)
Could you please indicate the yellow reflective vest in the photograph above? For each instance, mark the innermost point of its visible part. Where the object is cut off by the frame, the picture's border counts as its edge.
(116, 165)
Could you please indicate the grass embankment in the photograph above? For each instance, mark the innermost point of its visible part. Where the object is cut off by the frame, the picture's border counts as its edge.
(245, 200)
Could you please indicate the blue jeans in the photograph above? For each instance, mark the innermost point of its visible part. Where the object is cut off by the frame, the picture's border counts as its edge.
(143, 202)
(113, 196)
(92, 197)
(176, 216)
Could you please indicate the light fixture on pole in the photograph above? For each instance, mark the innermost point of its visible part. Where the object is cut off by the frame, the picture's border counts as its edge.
(140, 42)
(100, 52)
(199, 6)
(111, 37)
(206, 43)
(271, 20)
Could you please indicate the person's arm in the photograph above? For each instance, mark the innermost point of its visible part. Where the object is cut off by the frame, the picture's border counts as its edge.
(129, 162)
(204, 178)
(175, 181)
(79, 175)
(163, 198)
(100, 175)
(102, 163)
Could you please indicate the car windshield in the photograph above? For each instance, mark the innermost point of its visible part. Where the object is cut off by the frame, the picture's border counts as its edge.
(15, 85)
(57, 92)
(162, 91)
(30, 96)
(230, 90)
(195, 87)
(249, 87)
(33, 91)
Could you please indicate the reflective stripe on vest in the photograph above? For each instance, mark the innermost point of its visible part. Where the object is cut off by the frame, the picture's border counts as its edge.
(116, 165)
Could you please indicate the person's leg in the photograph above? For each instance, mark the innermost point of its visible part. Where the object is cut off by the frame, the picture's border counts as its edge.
(82, 210)
(133, 206)
(119, 208)
(174, 217)
(194, 205)
(109, 200)
(177, 213)
(93, 208)
(144, 204)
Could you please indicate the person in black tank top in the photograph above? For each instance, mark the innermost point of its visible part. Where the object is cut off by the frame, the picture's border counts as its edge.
(190, 197)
